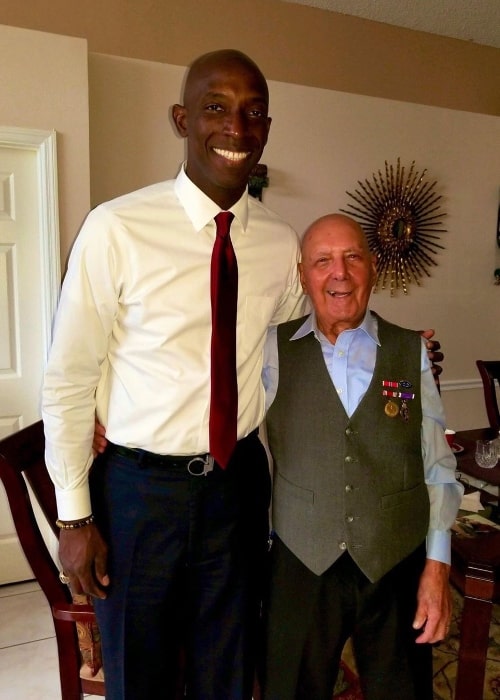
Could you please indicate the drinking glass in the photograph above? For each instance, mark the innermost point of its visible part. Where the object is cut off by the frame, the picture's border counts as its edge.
(486, 453)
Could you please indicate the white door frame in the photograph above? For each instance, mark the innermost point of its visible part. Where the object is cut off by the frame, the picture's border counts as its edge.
(44, 145)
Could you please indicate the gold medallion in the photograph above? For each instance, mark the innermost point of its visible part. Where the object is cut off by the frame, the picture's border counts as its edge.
(391, 409)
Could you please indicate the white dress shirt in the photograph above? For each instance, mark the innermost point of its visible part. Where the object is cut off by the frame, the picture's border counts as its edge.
(133, 327)
(350, 363)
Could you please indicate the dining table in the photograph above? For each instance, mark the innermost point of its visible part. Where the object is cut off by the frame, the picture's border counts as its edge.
(464, 447)
(475, 569)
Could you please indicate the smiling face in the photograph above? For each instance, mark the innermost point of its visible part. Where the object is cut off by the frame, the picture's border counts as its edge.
(337, 272)
(225, 120)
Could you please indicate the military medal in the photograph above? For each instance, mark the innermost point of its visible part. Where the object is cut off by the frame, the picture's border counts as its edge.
(391, 408)
(404, 412)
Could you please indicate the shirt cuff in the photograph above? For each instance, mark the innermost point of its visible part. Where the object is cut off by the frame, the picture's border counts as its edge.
(74, 504)
(439, 545)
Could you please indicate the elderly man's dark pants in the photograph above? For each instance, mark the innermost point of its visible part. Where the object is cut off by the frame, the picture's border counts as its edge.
(187, 560)
(309, 618)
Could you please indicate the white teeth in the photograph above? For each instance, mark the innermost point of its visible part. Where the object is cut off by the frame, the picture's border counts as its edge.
(232, 155)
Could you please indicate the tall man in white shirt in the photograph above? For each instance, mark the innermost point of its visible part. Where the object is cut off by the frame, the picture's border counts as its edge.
(171, 556)
(363, 477)
(171, 545)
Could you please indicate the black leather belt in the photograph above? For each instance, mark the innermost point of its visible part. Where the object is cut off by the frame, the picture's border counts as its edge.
(196, 465)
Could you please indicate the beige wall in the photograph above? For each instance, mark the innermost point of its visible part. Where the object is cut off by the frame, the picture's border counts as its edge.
(292, 43)
(44, 85)
(132, 140)
(322, 142)
(324, 137)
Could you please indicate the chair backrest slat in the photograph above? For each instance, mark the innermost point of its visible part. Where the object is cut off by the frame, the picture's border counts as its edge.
(490, 373)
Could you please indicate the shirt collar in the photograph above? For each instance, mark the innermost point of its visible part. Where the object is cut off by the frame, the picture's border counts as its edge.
(200, 208)
(368, 325)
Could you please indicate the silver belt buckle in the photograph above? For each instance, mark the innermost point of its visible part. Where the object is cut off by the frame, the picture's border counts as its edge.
(205, 465)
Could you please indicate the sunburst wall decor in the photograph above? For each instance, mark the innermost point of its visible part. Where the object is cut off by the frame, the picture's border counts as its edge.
(400, 215)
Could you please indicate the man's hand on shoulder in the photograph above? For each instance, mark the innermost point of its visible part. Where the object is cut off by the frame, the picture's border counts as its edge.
(433, 351)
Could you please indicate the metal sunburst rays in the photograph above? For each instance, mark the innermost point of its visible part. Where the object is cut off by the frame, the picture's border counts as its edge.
(400, 216)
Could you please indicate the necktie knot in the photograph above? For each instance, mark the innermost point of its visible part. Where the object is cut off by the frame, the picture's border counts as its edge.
(223, 222)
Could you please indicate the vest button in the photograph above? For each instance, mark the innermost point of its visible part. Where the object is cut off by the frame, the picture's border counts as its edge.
(348, 431)
(349, 488)
(348, 458)
(350, 518)
(343, 545)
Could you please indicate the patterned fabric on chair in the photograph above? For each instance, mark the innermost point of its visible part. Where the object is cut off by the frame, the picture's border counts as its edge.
(89, 641)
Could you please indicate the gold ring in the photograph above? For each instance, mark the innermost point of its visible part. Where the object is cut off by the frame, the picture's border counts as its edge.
(63, 578)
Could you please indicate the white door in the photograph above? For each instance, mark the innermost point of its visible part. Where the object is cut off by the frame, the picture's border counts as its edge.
(29, 281)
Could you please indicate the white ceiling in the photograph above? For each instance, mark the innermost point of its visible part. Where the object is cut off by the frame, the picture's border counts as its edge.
(472, 20)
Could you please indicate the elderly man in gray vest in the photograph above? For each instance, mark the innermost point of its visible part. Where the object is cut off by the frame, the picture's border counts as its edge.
(364, 487)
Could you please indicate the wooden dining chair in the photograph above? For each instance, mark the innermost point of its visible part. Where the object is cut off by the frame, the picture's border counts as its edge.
(22, 462)
(490, 376)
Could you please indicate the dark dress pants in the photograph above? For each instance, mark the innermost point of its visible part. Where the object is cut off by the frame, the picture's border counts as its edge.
(187, 558)
(309, 618)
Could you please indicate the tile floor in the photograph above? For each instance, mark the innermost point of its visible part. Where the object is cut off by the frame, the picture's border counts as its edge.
(28, 655)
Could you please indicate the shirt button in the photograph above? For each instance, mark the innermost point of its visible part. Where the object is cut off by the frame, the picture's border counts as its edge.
(343, 545)
(339, 391)
(341, 353)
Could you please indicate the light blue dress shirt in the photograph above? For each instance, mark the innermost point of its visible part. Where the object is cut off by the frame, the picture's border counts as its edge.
(350, 363)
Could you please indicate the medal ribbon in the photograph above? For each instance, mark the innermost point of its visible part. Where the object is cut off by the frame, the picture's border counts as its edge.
(398, 394)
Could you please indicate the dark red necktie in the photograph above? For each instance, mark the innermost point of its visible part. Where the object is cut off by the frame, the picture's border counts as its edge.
(224, 385)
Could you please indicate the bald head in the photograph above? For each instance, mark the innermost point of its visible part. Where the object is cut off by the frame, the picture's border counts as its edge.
(337, 272)
(222, 60)
(334, 223)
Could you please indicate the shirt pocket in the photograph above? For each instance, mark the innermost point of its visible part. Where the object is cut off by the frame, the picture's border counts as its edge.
(403, 498)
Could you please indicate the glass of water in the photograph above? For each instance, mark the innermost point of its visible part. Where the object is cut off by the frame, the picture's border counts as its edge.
(486, 453)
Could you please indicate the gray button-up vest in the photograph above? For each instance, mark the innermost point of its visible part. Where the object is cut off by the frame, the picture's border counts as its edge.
(341, 483)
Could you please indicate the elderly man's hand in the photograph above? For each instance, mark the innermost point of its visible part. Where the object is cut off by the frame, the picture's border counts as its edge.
(434, 607)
